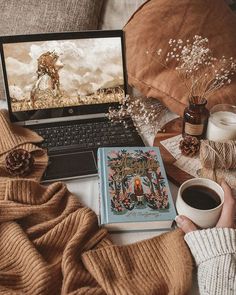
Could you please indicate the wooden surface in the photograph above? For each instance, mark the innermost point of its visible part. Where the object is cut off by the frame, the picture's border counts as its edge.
(172, 128)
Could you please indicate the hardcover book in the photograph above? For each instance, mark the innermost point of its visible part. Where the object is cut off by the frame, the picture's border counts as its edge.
(134, 190)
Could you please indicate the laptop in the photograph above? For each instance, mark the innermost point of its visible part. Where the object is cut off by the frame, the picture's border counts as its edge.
(62, 85)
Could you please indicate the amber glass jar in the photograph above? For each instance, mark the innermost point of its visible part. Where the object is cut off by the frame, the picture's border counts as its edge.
(195, 118)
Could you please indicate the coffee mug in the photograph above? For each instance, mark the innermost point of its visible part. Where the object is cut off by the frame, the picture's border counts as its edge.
(201, 200)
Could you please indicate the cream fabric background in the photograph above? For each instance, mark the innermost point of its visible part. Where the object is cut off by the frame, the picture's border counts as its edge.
(115, 13)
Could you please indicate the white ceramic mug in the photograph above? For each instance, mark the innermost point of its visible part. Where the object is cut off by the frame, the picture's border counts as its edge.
(202, 218)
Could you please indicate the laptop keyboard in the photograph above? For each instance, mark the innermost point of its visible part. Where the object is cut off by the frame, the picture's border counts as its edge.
(88, 135)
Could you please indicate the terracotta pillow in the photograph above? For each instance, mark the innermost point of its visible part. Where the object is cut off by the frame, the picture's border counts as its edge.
(155, 23)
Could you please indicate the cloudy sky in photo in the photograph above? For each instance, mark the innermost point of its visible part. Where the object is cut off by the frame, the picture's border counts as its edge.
(89, 64)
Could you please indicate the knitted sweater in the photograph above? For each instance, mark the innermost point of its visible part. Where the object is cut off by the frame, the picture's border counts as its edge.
(13, 136)
(51, 244)
(215, 253)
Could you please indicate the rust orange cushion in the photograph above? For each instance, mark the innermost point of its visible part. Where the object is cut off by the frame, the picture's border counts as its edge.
(158, 21)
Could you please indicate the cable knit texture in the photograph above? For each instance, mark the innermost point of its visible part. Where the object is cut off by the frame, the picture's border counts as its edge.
(50, 244)
(214, 251)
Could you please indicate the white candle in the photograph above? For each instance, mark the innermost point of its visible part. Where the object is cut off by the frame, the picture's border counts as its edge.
(221, 126)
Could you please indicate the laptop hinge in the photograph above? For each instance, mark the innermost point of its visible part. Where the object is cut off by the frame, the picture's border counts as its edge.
(62, 119)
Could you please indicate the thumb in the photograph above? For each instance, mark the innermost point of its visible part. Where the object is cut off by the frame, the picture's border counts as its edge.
(185, 224)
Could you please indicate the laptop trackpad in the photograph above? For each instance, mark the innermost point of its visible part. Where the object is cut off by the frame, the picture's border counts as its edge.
(70, 165)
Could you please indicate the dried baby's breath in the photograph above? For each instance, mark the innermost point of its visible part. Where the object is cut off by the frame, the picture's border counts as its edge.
(201, 72)
(145, 112)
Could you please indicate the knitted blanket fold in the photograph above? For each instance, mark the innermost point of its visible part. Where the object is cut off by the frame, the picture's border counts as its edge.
(13, 136)
(43, 231)
(51, 244)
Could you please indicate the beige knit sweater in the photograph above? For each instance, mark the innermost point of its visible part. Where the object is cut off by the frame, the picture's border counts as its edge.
(51, 244)
(214, 250)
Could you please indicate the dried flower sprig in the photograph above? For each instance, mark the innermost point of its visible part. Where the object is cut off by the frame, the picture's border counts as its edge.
(201, 72)
(145, 112)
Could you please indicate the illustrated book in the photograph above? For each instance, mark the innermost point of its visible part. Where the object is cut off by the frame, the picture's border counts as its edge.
(134, 192)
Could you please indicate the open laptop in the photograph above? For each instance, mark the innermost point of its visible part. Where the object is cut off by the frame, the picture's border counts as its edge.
(62, 85)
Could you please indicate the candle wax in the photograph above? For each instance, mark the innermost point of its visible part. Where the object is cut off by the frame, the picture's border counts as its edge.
(221, 126)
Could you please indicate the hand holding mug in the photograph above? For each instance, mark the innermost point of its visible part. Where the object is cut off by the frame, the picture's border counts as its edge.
(227, 214)
(201, 200)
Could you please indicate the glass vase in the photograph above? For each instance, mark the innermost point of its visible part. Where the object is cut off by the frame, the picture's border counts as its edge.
(195, 118)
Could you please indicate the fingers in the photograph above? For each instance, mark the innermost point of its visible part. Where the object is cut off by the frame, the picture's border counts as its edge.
(185, 224)
(229, 206)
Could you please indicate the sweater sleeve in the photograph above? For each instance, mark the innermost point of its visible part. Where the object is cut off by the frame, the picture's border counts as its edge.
(214, 251)
(161, 265)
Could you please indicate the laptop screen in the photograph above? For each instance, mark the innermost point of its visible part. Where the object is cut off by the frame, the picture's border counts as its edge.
(64, 74)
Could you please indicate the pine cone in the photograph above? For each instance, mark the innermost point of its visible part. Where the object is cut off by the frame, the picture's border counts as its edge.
(189, 146)
(19, 162)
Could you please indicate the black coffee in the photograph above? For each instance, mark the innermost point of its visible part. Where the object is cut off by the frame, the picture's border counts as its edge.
(201, 197)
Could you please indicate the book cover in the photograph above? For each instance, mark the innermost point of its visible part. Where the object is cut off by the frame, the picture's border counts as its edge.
(134, 190)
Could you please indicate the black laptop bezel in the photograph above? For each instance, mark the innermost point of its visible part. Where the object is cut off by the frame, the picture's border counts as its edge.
(63, 111)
